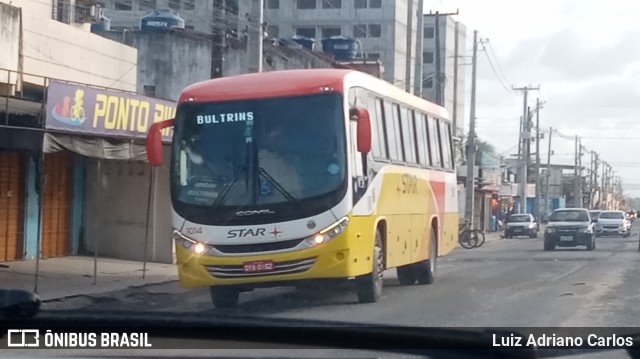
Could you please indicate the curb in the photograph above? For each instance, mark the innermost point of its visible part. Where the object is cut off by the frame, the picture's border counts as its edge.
(95, 294)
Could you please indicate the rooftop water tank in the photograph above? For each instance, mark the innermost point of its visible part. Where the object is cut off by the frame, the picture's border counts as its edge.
(287, 43)
(341, 47)
(306, 42)
(103, 25)
(161, 20)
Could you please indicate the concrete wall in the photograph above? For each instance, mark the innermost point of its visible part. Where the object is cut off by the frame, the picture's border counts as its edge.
(116, 210)
(70, 51)
(10, 43)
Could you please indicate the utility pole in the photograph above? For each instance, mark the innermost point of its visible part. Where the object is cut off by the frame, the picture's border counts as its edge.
(591, 180)
(604, 186)
(524, 140)
(471, 143)
(417, 81)
(548, 176)
(407, 80)
(217, 38)
(576, 175)
(456, 44)
(437, 55)
(595, 179)
(580, 184)
(255, 35)
(538, 106)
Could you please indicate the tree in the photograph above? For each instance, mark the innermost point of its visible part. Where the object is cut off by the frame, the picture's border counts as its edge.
(482, 147)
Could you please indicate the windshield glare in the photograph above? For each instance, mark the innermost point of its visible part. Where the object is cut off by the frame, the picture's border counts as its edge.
(259, 152)
(569, 216)
(611, 215)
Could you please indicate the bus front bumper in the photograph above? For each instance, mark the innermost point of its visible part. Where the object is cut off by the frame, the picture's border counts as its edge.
(330, 260)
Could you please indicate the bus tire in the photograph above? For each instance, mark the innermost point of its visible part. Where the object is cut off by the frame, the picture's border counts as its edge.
(224, 297)
(406, 275)
(369, 286)
(426, 270)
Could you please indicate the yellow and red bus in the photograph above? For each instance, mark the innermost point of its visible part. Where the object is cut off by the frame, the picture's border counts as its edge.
(279, 178)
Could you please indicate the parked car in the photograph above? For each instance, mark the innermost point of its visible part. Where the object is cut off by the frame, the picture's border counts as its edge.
(570, 227)
(613, 223)
(521, 225)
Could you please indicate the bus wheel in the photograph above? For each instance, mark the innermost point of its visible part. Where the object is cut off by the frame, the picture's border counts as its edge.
(369, 286)
(426, 270)
(406, 275)
(224, 297)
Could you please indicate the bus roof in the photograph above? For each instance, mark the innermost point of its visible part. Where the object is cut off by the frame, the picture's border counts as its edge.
(294, 82)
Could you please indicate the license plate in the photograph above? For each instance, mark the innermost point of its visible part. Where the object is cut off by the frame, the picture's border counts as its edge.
(257, 266)
(517, 230)
(566, 238)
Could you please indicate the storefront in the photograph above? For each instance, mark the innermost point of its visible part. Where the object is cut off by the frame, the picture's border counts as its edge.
(125, 204)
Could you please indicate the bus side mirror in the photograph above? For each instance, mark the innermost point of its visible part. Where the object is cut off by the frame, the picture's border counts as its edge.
(154, 142)
(361, 115)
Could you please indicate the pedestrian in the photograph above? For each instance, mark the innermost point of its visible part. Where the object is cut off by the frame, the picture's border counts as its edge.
(501, 217)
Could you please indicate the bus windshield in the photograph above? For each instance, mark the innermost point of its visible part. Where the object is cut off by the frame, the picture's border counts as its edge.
(259, 152)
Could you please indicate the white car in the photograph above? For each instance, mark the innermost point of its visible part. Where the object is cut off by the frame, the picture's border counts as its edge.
(613, 223)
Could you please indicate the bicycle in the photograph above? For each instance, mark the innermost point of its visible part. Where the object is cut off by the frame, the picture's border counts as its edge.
(470, 238)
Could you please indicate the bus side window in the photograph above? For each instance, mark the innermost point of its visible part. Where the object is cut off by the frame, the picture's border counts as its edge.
(391, 125)
(382, 128)
(444, 144)
(422, 140)
(375, 115)
(408, 136)
(434, 142)
(445, 135)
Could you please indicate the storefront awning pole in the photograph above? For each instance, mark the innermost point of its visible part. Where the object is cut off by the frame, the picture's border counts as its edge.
(149, 222)
(40, 219)
(95, 240)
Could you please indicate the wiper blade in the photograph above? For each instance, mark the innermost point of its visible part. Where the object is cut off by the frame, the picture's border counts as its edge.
(277, 185)
(226, 191)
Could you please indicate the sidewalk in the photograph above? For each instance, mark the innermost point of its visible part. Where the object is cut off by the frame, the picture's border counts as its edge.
(73, 275)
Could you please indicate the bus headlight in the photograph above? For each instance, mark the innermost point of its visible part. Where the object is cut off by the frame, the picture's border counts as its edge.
(188, 243)
(328, 233)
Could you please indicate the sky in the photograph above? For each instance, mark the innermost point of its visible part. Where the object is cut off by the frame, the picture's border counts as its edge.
(584, 55)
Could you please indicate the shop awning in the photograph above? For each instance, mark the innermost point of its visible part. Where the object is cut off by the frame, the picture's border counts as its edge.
(96, 147)
(18, 106)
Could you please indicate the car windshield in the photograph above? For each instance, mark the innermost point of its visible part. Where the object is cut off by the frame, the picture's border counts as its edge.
(612, 215)
(569, 216)
(594, 214)
(520, 219)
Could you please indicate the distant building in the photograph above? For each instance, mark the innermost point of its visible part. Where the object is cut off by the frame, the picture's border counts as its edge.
(380, 27)
(449, 88)
(198, 14)
(163, 72)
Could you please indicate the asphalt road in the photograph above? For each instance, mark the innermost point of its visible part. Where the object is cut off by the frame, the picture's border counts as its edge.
(510, 282)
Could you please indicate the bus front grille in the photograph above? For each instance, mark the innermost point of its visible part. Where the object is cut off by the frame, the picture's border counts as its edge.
(257, 248)
(237, 271)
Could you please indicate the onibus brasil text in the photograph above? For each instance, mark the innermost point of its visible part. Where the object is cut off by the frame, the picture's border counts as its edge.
(50, 339)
